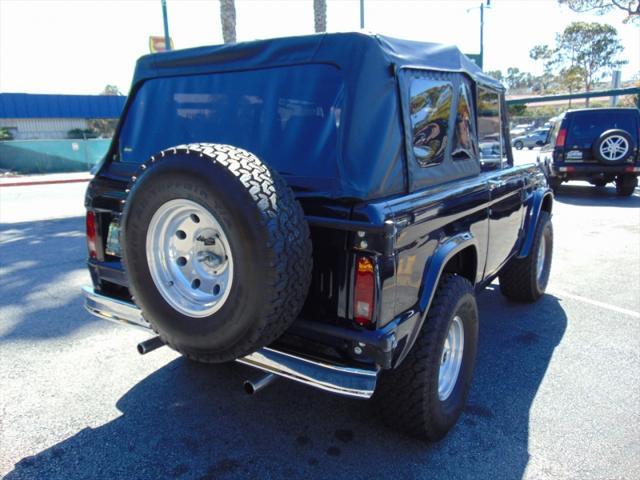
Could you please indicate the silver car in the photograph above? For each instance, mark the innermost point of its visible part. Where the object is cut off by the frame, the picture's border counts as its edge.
(537, 138)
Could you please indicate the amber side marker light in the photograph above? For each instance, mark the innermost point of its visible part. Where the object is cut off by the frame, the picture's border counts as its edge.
(91, 234)
(364, 292)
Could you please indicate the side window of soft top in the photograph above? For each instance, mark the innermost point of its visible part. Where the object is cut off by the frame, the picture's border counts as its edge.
(490, 137)
(440, 126)
(430, 105)
(464, 146)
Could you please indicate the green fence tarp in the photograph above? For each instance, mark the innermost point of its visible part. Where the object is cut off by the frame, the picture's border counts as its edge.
(51, 156)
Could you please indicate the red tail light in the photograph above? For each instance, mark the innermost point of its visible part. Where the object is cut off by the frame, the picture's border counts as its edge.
(562, 136)
(91, 234)
(364, 292)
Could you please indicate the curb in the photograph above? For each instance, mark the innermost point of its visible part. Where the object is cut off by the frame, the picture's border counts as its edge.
(43, 182)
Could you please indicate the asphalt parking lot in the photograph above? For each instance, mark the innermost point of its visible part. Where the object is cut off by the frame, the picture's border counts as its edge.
(555, 395)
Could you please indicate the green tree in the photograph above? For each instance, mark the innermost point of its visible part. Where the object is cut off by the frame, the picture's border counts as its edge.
(544, 54)
(518, 79)
(600, 7)
(591, 46)
(320, 15)
(588, 50)
(111, 90)
(517, 110)
(497, 74)
(228, 20)
(570, 79)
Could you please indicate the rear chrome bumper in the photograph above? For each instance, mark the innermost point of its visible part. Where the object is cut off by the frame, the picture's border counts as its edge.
(339, 379)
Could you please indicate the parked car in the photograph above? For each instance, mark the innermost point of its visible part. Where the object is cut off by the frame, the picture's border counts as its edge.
(597, 145)
(537, 138)
(254, 207)
(521, 129)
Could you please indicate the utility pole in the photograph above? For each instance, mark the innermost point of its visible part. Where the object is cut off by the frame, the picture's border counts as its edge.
(482, 34)
(167, 40)
(479, 59)
(361, 13)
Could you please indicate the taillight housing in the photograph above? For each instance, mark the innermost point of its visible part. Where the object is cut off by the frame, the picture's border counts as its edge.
(364, 293)
(561, 138)
(91, 234)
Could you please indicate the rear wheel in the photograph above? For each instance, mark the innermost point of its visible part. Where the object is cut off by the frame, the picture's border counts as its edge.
(518, 145)
(626, 185)
(425, 395)
(526, 279)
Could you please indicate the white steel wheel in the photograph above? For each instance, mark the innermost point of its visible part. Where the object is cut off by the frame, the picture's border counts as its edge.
(451, 359)
(189, 257)
(542, 256)
(614, 148)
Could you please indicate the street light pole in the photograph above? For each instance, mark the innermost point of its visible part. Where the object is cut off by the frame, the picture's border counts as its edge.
(482, 31)
(361, 13)
(167, 41)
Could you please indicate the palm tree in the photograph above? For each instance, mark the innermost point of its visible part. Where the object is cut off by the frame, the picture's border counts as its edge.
(228, 19)
(320, 15)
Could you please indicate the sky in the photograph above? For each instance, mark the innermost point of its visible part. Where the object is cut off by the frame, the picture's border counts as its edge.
(79, 46)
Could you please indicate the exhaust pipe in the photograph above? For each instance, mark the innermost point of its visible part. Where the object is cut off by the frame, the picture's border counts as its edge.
(150, 345)
(253, 387)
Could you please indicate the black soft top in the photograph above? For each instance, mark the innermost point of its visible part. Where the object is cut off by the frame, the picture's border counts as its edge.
(370, 155)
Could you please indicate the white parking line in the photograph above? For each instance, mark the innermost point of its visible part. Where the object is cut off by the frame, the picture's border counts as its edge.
(596, 303)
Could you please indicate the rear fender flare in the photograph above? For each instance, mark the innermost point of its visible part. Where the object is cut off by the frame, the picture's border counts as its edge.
(434, 268)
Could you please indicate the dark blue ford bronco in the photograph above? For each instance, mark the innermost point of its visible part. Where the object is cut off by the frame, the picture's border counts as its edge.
(322, 208)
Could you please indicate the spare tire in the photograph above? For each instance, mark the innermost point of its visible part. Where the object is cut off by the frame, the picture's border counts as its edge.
(216, 250)
(613, 147)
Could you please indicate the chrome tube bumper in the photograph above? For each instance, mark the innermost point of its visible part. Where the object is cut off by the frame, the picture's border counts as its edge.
(339, 379)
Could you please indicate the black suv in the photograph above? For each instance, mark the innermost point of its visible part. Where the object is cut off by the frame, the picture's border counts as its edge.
(319, 208)
(596, 145)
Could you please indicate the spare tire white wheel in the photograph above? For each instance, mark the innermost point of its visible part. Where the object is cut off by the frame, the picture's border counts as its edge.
(216, 250)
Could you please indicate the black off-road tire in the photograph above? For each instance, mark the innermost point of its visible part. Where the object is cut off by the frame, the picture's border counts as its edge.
(269, 238)
(519, 279)
(554, 183)
(407, 397)
(626, 185)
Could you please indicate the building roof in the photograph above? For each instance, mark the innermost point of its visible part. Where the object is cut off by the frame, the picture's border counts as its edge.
(26, 105)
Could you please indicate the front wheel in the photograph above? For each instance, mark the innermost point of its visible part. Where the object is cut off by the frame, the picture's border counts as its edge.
(525, 279)
(518, 145)
(425, 395)
(554, 183)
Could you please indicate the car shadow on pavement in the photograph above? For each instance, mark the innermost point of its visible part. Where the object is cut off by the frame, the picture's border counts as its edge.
(42, 266)
(590, 196)
(188, 420)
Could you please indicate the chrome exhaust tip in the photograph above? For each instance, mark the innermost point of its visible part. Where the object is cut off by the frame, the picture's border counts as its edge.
(253, 387)
(150, 345)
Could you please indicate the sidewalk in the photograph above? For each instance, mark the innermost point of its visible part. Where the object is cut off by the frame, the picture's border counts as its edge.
(45, 179)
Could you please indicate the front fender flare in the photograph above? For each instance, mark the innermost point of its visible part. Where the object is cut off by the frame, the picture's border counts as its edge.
(531, 220)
